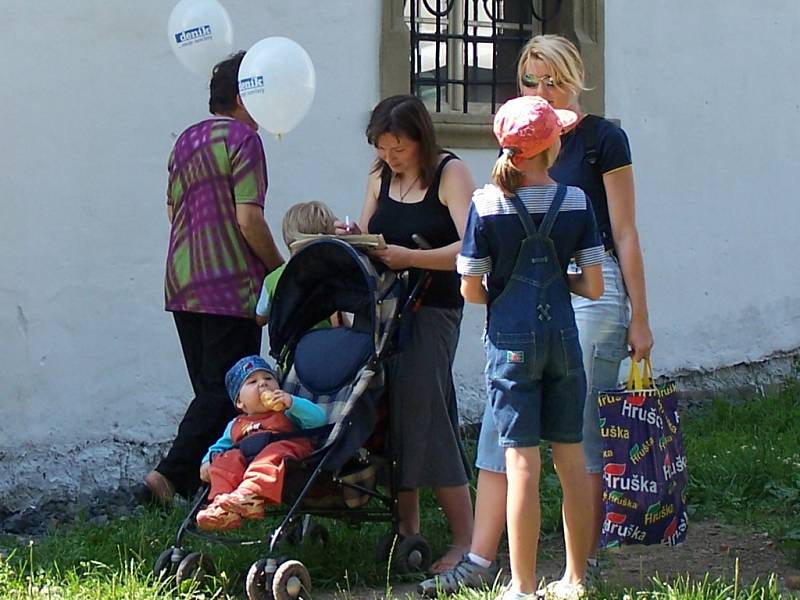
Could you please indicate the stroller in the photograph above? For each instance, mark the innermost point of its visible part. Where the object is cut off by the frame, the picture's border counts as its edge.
(341, 369)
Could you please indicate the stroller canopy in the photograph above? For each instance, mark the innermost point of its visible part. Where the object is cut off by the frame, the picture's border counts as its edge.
(324, 277)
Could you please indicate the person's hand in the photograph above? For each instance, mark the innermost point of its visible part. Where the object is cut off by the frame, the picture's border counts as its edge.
(281, 400)
(640, 340)
(346, 228)
(205, 472)
(396, 258)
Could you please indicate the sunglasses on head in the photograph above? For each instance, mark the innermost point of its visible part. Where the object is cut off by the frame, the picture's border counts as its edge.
(531, 81)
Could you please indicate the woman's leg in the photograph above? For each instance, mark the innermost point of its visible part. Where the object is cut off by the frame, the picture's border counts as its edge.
(408, 511)
(457, 506)
(602, 327)
(524, 516)
(490, 514)
(576, 509)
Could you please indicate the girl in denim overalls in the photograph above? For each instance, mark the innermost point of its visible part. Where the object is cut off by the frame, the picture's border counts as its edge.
(536, 383)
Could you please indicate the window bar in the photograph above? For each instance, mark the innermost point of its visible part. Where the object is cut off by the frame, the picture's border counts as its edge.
(493, 18)
(544, 16)
(438, 43)
(455, 54)
(465, 65)
(414, 48)
(475, 34)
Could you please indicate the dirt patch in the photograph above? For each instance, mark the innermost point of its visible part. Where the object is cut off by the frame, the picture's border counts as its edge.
(709, 548)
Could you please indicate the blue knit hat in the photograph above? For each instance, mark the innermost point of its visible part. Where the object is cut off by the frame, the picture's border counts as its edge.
(242, 369)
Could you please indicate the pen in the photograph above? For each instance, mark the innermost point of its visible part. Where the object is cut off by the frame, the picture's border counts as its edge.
(347, 223)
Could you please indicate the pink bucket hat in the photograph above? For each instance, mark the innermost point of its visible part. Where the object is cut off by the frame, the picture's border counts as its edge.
(528, 125)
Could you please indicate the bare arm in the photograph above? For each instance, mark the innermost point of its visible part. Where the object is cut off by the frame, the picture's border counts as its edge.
(472, 289)
(455, 192)
(621, 208)
(255, 230)
(588, 283)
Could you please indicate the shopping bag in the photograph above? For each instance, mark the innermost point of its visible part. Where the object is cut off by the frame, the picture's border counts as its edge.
(644, 463)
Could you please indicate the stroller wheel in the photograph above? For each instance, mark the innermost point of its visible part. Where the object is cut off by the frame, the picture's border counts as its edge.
(258, 585)
(411, 555)
(386, 544)
(291, 581)
(164, 566)
(194, 566)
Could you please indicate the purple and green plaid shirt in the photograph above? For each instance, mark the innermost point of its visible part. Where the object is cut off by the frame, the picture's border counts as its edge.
(214, 165)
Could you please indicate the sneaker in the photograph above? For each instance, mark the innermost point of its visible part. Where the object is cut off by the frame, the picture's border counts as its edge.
(216, 518)
(563, 590)
(247, 506)
(465, 574)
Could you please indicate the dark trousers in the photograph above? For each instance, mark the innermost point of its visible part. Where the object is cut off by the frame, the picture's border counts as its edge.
(211, 345)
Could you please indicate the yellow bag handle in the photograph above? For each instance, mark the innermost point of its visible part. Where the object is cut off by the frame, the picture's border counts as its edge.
(640, 380)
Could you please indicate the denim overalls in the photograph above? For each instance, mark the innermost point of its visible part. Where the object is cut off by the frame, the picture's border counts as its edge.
(534, 366)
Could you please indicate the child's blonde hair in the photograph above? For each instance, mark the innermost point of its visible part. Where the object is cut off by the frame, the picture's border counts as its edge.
(508, 177)
(307, 217)
(561, 57)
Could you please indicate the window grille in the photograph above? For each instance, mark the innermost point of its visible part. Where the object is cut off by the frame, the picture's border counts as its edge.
(464, 52)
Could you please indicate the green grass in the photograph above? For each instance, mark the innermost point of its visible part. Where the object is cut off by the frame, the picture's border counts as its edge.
(744, 470)
(744, 463)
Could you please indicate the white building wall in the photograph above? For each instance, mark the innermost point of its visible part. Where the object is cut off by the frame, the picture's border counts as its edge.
(92, 382)
(707, 94)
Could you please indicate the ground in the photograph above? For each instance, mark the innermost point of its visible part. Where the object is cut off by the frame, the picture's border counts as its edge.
(710, 548)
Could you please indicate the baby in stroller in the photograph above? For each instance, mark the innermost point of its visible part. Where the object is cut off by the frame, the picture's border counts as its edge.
(245, 467)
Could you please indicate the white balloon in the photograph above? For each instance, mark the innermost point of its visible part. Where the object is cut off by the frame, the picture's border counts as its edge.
(200, 34)
(277, 83)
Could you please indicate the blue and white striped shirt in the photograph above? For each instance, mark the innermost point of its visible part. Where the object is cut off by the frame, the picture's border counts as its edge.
(494, 232)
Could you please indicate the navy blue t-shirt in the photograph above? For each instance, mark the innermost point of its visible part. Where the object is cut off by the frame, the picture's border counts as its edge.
(572, 166)
(494, 232)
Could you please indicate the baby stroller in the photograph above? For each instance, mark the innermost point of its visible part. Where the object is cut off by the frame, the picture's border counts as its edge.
(343, 370)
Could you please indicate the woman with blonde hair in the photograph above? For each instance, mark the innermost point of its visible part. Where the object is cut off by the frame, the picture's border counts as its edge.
(594, 156)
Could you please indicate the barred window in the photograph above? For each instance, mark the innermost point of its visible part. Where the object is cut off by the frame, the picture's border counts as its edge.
(460, 56)
(464, 52)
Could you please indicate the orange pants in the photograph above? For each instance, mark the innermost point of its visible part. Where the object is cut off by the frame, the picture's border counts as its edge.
(262, 477)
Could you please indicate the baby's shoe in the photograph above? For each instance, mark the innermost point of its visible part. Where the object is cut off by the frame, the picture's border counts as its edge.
(216, 518)
(247, 506)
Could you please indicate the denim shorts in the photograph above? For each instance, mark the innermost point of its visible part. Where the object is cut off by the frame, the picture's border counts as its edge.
(602, 328)
(536, 387)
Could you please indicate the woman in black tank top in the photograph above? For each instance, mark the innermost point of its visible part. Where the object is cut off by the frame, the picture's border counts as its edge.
(415, 187)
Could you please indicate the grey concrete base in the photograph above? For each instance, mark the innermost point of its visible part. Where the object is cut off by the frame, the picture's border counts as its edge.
(739, 381)
(33, 477)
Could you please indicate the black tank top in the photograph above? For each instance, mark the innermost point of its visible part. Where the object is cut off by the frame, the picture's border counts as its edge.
(430, 219)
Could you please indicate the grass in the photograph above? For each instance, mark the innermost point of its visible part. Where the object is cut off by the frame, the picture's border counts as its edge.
(744, 470)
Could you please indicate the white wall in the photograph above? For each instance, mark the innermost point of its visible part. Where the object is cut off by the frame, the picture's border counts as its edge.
(92, 374)
(92, 381)
(708, 94)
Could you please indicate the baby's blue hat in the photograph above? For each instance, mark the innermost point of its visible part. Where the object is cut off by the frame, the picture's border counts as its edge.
(236, 375)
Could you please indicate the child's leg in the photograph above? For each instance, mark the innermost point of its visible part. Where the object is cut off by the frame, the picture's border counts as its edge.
(264, 475)
(226, 473)
(524, 516)
(577, 508)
